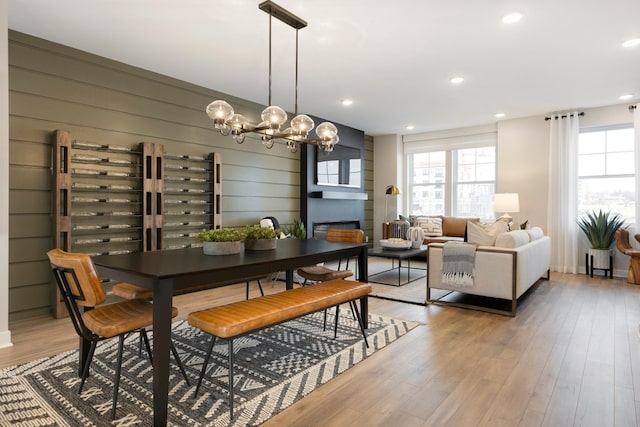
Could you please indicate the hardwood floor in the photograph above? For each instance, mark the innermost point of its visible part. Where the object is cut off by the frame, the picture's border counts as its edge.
(570, 357)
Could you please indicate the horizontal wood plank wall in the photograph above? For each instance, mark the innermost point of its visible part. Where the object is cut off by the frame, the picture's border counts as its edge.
(55, 87)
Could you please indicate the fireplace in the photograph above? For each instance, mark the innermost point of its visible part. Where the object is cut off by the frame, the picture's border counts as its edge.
(320, 228)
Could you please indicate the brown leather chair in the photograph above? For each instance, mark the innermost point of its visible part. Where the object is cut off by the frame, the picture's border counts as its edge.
(320, 273)
(623, 245)
(83, 294)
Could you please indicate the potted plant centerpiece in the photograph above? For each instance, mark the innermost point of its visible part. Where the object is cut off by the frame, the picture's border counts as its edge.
(260, 238)
(221, 241)
(600, 229)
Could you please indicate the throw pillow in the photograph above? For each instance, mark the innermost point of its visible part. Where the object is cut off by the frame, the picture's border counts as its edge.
(432, 226)
(483, 234)
(535, 233)
(512, 239)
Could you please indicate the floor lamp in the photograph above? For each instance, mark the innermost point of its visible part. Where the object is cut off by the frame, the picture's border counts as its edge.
(391, 190)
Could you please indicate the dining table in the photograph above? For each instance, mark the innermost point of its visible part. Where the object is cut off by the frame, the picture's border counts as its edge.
(174, 271)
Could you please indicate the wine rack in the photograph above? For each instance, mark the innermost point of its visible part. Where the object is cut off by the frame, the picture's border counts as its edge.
(111, 199)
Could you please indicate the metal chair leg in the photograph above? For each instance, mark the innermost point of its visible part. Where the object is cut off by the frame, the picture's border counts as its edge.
(87, 363)
(335, 329)
(179, 362)
(231, 379)
(354, 307)
(260, 287)
(116, 385)
(204, 364)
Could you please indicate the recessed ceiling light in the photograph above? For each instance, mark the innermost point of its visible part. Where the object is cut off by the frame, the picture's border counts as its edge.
(626, 96)
(410, 127)
(457, 80)
(346, 102)
(631, 43)
(512, 17)
(499, 115)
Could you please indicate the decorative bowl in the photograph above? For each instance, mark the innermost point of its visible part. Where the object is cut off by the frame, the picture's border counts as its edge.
(397, 244)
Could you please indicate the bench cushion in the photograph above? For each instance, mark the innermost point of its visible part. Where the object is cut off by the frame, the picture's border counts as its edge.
(238, 318)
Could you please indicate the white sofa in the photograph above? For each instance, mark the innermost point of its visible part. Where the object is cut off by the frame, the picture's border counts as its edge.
(505, 271)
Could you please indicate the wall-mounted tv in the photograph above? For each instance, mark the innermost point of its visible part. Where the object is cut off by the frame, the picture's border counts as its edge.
(340, 167)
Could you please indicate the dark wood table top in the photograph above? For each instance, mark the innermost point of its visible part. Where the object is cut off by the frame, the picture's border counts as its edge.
(186, 267)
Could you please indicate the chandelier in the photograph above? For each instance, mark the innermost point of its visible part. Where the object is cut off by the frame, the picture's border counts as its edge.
(228, 122)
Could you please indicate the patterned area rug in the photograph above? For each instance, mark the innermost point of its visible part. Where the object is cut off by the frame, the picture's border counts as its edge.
(273, 369)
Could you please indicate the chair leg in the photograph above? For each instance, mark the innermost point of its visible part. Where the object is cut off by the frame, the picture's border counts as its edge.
(87, 363)
(354, 307)
(247, 290)
(179, 362)
(335, 328)
(260, 287)
(116, 385)
(324, 326)
(204, 364)
(231, 379)
(144, 337)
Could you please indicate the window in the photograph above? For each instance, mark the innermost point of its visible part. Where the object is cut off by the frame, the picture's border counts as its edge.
(427, 180)
(475, 184)
(606, 172)
(469, 190)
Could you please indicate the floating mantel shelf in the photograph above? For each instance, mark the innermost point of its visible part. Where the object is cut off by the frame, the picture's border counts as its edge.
(338, 195)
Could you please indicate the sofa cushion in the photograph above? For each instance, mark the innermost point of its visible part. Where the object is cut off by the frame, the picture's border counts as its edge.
(432, 226)
(485, 234)
(535, 233)
(455, 226)
(512, 239)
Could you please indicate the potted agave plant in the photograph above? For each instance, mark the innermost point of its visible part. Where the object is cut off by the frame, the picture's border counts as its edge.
(260, 238)
(221, 241)
(297, 230)
(600, 229)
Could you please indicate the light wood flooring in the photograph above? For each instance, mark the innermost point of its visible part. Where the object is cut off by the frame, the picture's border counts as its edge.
(570, 357)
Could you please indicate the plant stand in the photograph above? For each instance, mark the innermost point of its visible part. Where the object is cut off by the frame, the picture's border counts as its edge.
(599, 259)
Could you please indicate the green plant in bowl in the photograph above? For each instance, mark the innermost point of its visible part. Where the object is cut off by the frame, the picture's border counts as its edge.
(256, 232)
(221, 235)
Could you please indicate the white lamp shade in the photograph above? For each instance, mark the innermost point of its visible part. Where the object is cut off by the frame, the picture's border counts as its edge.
(506, 202)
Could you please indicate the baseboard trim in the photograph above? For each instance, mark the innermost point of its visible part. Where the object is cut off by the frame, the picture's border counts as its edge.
(5, 339)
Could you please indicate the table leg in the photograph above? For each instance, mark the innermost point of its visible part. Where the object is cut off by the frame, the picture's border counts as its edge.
(408, 270)
(162, 302)
(288, 277)
(399, 270)
(363, 276)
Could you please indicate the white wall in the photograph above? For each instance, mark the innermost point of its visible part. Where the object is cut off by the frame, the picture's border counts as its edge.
(5, 334)
(523, 166)
(387, 170)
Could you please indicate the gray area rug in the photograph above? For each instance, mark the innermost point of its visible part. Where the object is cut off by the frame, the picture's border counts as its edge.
(273, 369)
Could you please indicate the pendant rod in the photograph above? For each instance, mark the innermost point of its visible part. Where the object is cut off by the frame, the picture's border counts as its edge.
(269, 104)
(296, 112)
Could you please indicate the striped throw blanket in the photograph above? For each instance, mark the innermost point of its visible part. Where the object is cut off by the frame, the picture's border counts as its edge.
(457, 264)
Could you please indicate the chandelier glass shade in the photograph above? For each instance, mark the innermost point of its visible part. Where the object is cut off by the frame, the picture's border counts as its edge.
(270, 130)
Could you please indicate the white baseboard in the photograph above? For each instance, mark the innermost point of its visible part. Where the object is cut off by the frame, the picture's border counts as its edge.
(5, 339)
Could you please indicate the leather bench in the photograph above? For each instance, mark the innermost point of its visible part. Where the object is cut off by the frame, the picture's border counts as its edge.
(243, 317)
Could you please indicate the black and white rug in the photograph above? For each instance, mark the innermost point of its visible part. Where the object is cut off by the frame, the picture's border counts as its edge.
(273, 369)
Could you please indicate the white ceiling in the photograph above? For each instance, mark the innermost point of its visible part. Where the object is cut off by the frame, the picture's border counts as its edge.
(394, 58)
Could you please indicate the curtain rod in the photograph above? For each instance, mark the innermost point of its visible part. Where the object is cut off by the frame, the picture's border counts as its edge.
(562, 116)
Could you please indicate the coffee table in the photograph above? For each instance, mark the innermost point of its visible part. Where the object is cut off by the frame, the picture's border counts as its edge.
(397, 254)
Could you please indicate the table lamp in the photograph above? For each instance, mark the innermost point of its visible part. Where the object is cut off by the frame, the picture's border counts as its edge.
(505, 203)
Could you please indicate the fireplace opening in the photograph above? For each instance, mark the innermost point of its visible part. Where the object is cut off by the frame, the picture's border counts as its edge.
(320, 228)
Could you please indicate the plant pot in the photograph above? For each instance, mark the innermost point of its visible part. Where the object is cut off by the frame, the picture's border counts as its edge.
(601, 258)
(260, 244)
(221, 248)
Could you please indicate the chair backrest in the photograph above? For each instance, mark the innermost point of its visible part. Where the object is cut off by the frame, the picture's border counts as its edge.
(77, 278)
(622, 241)
(345, 235)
